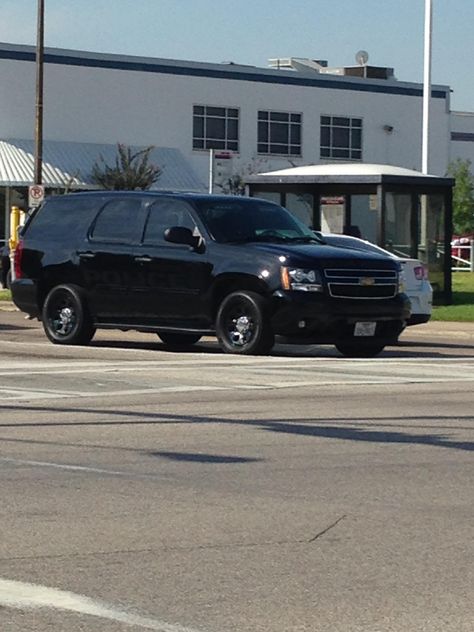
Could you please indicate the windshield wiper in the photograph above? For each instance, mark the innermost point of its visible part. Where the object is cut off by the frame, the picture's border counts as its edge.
(270, 238)
(277, 239)
(306, 239)
(258, 238)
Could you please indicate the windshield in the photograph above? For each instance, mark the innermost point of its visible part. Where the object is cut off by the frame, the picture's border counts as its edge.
(250, 219)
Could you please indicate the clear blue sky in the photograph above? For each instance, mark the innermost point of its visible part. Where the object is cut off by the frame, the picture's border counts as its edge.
(251, 31)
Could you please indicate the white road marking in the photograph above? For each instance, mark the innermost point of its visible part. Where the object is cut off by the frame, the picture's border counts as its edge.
(74, 468)
(21, 595)
(26, 394)
(52, 378)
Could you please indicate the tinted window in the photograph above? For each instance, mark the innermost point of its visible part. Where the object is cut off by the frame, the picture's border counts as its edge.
(119, 221)
(164, 214)
(61, 216)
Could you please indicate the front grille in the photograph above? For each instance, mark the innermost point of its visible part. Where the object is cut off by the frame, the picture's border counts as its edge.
(361, 284)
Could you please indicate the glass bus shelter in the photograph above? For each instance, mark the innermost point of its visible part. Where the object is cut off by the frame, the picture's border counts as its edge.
(403, 211)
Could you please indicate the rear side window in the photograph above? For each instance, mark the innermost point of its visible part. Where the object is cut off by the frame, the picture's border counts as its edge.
(62, 217)
(120, 221)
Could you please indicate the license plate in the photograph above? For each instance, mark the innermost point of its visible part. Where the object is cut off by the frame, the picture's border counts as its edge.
(364, 329)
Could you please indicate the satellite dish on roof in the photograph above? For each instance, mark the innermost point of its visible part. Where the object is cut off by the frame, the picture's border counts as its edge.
(362, 57)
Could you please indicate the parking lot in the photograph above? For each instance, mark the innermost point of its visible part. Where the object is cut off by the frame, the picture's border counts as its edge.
(199, 491)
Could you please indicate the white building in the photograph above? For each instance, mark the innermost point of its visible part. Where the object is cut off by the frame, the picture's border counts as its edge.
(462, 136)
(298, 112)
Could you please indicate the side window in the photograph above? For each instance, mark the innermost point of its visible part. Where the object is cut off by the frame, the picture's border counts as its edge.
(120, 221)
(63, 217)
(164, 214)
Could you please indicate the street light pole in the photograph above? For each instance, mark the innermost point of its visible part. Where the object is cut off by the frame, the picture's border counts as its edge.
(38, 167)
(426, 88)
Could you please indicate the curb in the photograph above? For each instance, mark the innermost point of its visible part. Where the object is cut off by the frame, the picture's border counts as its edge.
(441, 329)
(8, 306)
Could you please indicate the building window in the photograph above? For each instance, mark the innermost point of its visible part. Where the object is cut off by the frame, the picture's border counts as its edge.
(341, 137)
(279, 133)
(215, 128)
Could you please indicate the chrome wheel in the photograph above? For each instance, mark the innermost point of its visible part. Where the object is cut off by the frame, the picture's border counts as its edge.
(242, 324)
(64, 320)
(241, 329)
(65, 317)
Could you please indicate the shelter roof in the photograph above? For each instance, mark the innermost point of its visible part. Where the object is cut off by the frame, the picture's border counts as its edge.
(349, 173)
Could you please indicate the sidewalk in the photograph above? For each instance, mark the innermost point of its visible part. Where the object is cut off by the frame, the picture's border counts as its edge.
(7, 306)
(460, 331)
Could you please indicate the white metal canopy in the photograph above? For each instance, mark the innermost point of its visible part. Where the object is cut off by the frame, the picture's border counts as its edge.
(347, 169)
(69, 165)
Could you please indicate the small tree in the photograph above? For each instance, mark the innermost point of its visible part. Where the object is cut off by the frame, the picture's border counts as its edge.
(235, 185)
(131, 171)
(463, 196)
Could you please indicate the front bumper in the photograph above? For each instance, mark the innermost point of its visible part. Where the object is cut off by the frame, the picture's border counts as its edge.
(306, 317)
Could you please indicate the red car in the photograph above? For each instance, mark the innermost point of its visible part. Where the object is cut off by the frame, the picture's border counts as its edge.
(460, 246)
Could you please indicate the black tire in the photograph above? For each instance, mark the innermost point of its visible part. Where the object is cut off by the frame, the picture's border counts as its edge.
(178, 340)
(243, 324)
(66, 320)
(360, 349)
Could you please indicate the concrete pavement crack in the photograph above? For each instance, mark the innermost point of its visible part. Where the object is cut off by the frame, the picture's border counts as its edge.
(173, 548)
(324, 531)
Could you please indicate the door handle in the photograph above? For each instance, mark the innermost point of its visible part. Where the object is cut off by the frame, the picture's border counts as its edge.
(144, 259)
(86, 254)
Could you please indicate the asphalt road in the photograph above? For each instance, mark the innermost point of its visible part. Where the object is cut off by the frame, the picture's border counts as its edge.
(199, 492)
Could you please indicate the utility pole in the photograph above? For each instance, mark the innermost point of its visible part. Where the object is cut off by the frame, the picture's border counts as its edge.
(211, 171)
(426, 88)
(38, 168)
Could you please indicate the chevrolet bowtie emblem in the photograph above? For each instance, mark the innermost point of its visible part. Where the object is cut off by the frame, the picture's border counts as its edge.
(367, 281)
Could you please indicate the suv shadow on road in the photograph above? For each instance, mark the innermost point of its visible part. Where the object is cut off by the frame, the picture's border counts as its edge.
(310, 428)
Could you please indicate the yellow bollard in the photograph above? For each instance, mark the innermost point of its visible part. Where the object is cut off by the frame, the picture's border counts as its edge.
(17, 218)
(15, 223)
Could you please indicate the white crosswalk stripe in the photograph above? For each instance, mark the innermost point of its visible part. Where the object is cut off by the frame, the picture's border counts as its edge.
(170, 373)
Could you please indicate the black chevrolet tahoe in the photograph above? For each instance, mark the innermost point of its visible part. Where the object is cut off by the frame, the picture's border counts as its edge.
(190, 265)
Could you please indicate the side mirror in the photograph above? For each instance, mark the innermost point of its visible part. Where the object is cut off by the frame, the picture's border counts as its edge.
(182, 235)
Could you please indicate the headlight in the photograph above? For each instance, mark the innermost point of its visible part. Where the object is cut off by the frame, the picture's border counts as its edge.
(401, 281)
(301, 279)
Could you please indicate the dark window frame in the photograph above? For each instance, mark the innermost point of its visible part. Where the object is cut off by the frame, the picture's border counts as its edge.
(270, 123)
(334, 127)
(206, 115)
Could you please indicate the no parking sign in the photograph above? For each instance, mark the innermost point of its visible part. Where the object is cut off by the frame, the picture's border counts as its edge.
(35, 195)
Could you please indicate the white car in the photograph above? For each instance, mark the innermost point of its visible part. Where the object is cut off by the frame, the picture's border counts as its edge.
(417, 286)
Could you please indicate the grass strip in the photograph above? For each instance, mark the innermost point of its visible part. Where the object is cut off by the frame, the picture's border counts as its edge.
(462, 308)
